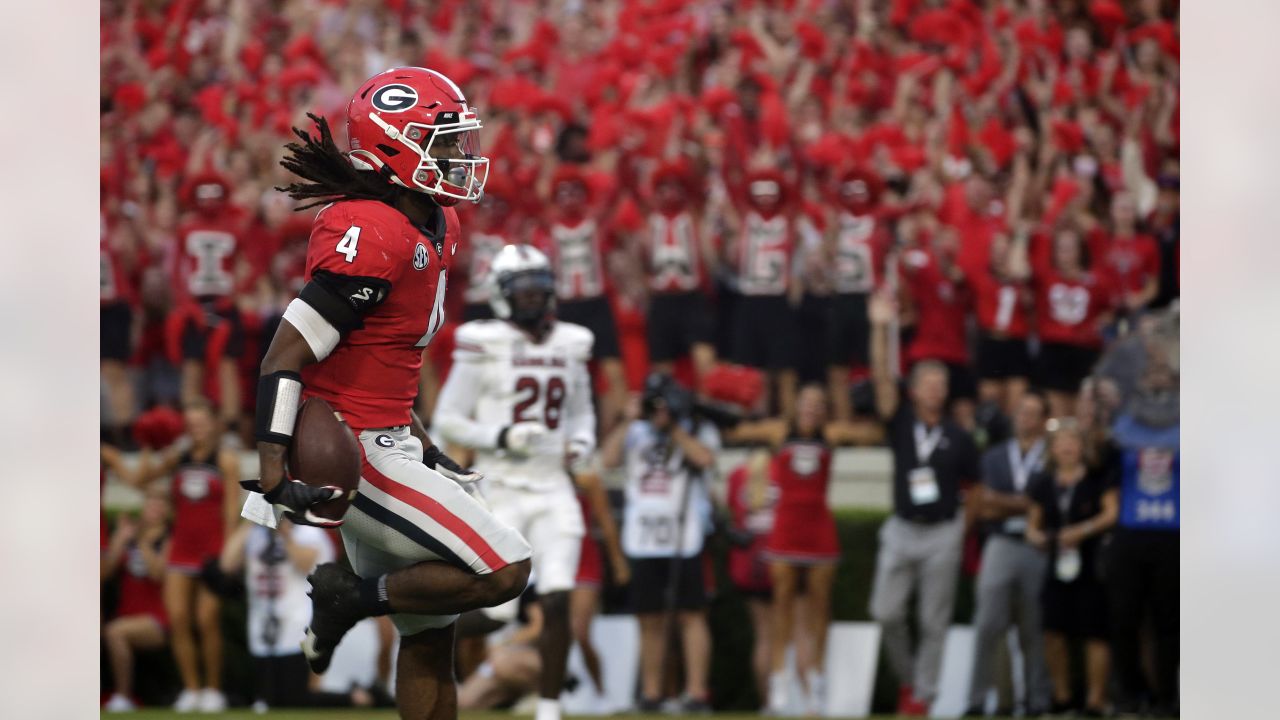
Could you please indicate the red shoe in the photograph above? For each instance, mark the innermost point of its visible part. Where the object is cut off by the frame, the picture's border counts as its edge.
(908, 705)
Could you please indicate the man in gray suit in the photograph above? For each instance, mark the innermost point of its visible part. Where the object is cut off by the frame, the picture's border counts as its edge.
(1012, 574)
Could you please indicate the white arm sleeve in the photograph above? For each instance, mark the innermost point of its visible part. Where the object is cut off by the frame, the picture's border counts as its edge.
(455, 409)
(580, 415)
(321, 336)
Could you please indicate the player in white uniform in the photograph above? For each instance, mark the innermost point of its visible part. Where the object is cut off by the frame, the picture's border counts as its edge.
(519, 394)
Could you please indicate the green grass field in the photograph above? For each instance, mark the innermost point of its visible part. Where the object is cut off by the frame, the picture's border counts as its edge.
(391, 715)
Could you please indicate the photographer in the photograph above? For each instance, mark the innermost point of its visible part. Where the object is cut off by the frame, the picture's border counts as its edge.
(664, 453)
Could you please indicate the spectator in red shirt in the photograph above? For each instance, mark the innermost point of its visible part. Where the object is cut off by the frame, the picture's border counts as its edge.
(936, 286)
(1002, 297)
(137, 553)
(119, 303)
(1073, 304)
(1130, 258)
(206, 329)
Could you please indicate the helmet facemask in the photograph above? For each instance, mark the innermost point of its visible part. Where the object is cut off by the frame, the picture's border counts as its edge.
(450, 164)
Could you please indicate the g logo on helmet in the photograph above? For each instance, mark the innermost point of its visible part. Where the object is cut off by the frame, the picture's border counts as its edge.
(394, 98)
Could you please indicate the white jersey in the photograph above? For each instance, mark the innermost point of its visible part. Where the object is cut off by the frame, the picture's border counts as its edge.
(854, 270)
(500, 376)
(657, 480)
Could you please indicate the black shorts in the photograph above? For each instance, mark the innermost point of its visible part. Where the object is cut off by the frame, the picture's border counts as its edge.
(764, 332)
(1076, 609)
(1003, 358)
(848, 330)
(595, 315)
(195, 340)
(649, 579)
(1063, 367)
(116, 324)
(677, 321)
(476, 311)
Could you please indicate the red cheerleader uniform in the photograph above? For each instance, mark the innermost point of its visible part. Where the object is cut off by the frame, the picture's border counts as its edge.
(198, 488)
(139, 593)
(747, 569)
(590, 565)
(804, 530)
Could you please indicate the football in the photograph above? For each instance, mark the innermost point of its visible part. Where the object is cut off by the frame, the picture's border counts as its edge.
(325, 452)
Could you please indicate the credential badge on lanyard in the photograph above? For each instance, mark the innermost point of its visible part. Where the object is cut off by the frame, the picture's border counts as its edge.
(1022, 465)
(923, 483)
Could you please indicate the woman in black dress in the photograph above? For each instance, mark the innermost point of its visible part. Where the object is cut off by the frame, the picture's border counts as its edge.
(1072, 506)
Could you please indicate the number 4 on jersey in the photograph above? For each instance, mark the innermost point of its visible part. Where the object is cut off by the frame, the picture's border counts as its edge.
(347, 245)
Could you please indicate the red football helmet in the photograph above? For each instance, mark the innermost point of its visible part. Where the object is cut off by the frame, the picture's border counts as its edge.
(414, 126)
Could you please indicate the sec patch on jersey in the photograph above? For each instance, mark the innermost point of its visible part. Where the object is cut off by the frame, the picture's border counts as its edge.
(325, 452)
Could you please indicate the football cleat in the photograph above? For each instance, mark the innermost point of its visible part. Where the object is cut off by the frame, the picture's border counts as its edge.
(335, 608)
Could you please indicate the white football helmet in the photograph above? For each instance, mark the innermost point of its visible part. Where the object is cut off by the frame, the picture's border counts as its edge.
(518, 268)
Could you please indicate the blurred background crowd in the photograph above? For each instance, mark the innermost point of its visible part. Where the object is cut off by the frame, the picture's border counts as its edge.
(739, 194)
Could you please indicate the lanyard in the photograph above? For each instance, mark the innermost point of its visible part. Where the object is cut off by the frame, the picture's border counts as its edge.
(926, 442)
(1021, 466)
(1065, 496)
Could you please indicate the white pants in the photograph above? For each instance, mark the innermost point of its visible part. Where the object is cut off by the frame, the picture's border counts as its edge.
(552, 522)
(406, 513)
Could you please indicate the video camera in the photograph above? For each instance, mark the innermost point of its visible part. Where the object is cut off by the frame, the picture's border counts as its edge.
(662, 391)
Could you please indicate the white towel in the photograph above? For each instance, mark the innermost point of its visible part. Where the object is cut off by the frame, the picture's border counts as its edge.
(257, 509)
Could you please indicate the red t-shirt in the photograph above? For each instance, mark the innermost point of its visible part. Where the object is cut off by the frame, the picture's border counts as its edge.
(1128, 261)
(372, 376)
(1001, 305)
(208, 252)
(1067, 309)
(941, 306)
(115, 284)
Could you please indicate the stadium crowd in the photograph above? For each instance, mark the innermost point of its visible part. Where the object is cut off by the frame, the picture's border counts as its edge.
(981, 197)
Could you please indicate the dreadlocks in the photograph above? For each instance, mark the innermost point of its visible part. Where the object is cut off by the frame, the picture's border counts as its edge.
(330, 173)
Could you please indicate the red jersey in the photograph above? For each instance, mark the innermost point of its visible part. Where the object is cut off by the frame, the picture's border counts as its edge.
(208, 251)
(197, 490)
(673, 254)
(765, 252)
(371, 377)
(941, 306)
(1129, 262)
(115, 284)
(140, 594)
(1067, 310)
(576, 251)
(803, 525)
(747, 567)
(1001, 305)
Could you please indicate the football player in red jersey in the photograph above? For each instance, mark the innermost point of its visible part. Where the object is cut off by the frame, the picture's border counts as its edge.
(205, 329)
(423, 549)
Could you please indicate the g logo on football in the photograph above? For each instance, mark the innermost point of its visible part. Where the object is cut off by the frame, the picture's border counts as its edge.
(394, 98)
(420, 257)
